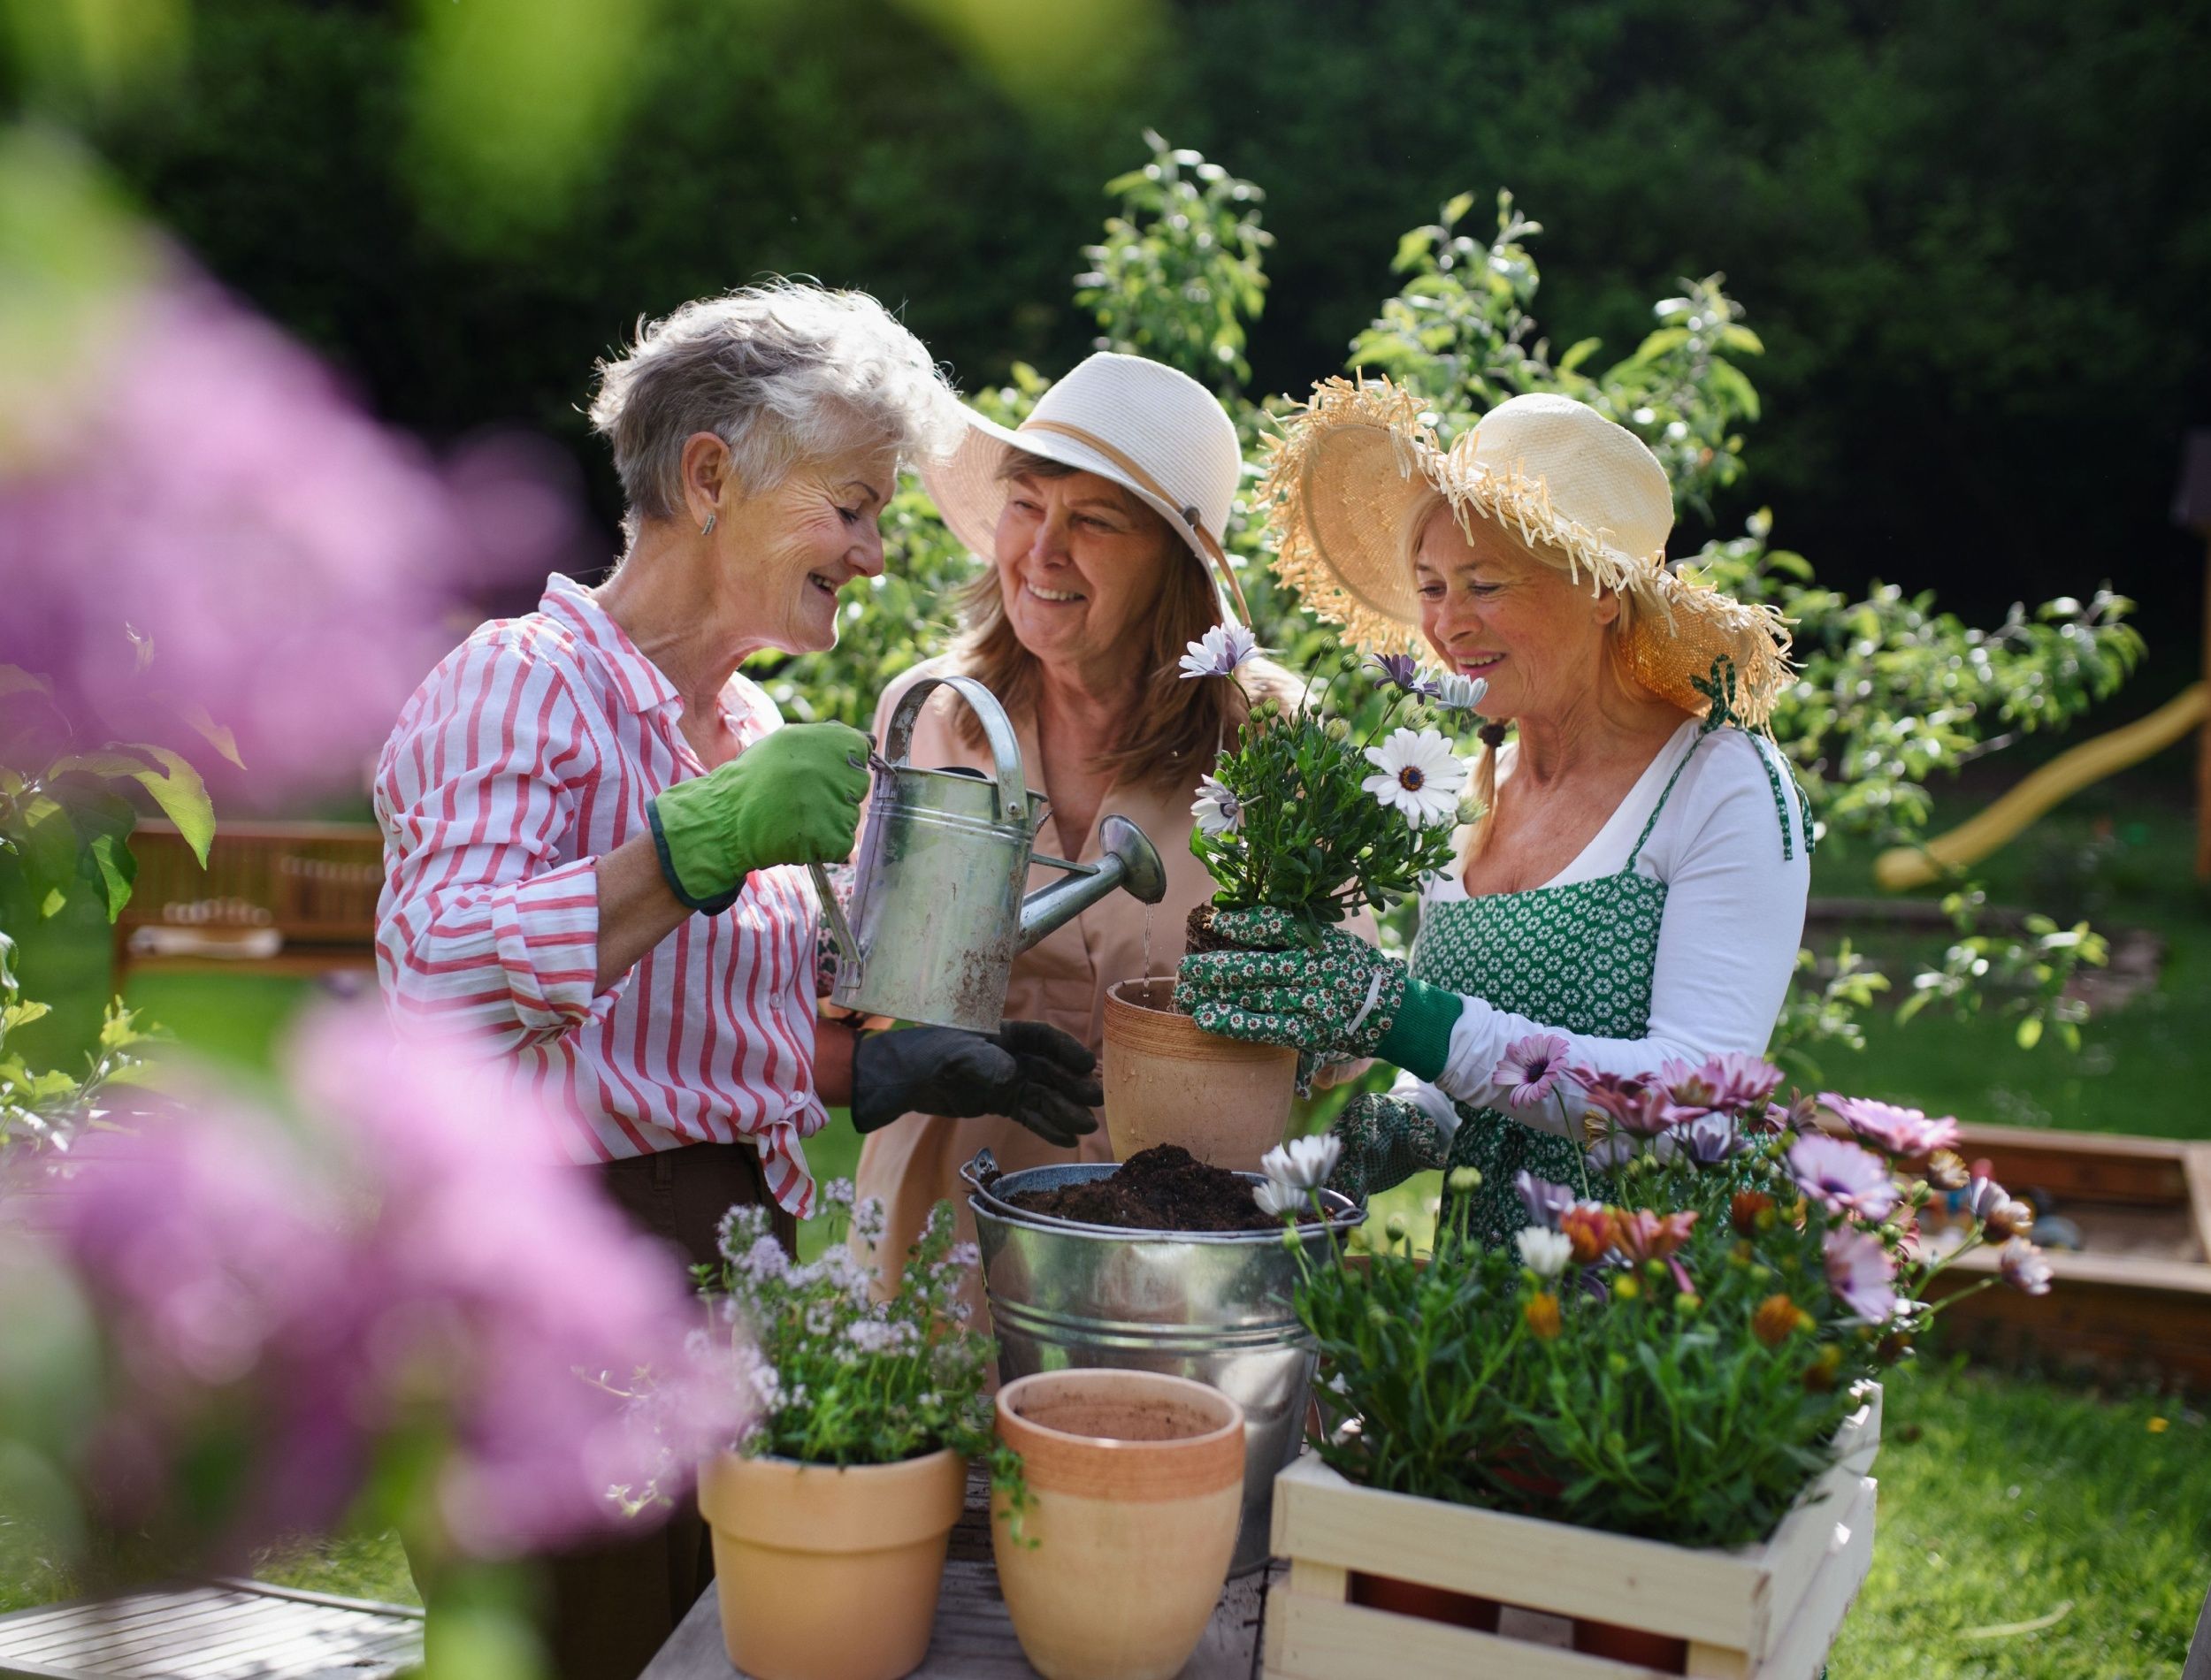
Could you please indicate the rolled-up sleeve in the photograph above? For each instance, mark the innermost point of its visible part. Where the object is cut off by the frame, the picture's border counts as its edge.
(483, 927)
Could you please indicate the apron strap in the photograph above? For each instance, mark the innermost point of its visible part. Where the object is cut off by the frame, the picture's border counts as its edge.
(1773, 780)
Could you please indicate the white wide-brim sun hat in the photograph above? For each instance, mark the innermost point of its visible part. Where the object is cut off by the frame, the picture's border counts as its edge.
(1153, 430)
(1354, 466)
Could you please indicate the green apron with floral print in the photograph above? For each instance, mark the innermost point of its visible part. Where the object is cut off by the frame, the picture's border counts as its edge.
(1578, 957)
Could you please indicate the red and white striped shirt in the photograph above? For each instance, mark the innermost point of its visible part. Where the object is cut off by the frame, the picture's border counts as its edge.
(529, 752)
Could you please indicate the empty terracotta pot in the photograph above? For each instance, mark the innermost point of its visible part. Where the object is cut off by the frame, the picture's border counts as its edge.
(830, 1574)
(1226, 1102)
(1136, 1483)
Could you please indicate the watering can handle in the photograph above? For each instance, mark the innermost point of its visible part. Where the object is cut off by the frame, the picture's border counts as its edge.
(833, 913)
(997, 730)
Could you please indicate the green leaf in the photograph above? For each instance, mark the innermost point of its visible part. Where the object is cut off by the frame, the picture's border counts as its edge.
(1577, 353)
(215, 736)
(174, 784)
(2030, 1032)
(113, 870)
(51, 906)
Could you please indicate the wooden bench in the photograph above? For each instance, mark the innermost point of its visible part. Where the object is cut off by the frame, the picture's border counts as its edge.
(275, 898)
(219, 1630)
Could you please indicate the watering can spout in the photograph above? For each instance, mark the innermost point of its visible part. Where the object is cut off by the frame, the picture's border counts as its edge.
(1126, 861)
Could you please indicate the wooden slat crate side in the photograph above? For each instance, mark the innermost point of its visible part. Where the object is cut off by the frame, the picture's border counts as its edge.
(1319, 1517)
(1796, 1550)
(1801, 1652)
(1313, 1639)
(1319, 1637)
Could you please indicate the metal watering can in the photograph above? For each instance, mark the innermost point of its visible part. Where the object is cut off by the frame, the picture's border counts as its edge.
(938, 915)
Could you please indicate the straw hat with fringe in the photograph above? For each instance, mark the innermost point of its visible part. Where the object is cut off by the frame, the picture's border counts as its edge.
(1578, 489)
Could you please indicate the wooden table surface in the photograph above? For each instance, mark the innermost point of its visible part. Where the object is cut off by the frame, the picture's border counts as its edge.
(973, 1639)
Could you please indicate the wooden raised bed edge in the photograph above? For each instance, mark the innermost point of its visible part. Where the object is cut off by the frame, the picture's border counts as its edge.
(1764, 1612)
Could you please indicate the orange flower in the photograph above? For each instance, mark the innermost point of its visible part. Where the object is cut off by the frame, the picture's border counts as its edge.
(1542, 1313)
(1744, 1209)
(1776, 1320)
(1589, 1230)
(1645, 1235)
(1819, 1376)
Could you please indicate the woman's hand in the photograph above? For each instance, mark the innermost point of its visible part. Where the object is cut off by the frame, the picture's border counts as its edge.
(1032, 1073)
(1339, 1002)
(791, 797)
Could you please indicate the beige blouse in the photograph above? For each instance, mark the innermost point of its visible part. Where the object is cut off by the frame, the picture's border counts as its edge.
(914, 1163)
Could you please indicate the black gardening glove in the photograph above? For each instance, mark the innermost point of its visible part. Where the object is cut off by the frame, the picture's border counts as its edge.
(1028, 1071)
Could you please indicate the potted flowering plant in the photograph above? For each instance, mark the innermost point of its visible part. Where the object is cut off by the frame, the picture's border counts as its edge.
(831, 1515)
(1305, 819)
(1676, 1390)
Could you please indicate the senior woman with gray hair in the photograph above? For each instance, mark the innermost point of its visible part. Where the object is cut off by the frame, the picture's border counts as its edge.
(595, 828)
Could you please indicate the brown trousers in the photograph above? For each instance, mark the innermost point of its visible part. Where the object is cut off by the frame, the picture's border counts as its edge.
(612, 1606)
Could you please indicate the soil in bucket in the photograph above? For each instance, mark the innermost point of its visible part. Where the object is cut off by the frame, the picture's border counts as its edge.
(1162, 1189)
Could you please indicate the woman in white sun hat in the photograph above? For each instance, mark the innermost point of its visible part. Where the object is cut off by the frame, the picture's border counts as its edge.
(1102, 516)
(1634, 894)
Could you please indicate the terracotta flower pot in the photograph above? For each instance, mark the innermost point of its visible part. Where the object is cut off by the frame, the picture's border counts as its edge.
(1639, 1646)
(1226, 1102)
(830, 1574)
(1137, 1483)
(1429, 1603)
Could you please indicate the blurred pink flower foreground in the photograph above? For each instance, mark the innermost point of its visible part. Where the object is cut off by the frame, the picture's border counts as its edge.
(294, 568)
(401, 1266)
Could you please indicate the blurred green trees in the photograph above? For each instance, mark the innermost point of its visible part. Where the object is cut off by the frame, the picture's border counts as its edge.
(1977, 237)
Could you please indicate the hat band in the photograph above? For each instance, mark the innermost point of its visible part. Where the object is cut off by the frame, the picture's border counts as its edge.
(1150, 485)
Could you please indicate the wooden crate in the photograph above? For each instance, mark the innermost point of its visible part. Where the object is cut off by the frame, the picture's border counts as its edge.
(1767, 1612)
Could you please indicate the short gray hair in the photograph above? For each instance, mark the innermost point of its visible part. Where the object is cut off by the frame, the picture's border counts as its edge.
(781, 373)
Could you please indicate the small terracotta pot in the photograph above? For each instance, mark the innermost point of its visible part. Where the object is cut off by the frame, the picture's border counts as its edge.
(830, 1574)
(1226, 1102)
(1659, 1651)
(1429, 1603)
(1136, 1484)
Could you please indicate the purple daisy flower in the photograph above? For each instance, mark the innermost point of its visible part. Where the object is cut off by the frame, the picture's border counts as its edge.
(1403, 671)
(1902, 1132)
(1863, 1274)
(1627, 1100)
(2024, 1266)
(1844, 1177)
(1530, 1067)
(1544, 1201)
(1712, 1138)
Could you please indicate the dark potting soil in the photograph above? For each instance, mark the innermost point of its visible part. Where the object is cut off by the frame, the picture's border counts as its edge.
(1164, 1188)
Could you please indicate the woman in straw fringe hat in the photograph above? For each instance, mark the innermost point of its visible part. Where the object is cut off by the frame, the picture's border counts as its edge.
(1101, 517)
(1632, 894)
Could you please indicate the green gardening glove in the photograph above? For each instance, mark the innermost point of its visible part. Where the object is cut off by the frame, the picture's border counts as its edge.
(791, 797)
(1386, 1140)
(1340, 1002)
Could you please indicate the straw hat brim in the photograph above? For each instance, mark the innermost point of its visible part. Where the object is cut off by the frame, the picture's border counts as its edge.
(968, 492)
(1340, 489)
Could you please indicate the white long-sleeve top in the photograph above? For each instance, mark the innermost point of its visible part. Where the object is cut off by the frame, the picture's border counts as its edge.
(1727, 942)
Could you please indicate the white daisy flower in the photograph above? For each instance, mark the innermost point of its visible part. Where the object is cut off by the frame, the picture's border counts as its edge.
(1217, 808)
(1545, 1253)
(1303, 1163)
(1277, 1200)
(1457, 693)
(1219, 652)
(1418, 776)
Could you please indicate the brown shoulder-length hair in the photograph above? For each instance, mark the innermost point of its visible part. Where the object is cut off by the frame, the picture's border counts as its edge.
(1173, 733)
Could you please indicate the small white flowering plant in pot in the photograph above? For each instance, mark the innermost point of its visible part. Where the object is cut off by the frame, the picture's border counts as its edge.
(1310, 816)
(844, 1491)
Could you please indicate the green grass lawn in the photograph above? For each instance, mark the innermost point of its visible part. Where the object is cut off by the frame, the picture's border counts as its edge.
(2026, 1528)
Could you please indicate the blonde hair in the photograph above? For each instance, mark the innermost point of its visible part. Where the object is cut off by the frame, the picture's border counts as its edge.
(1173, 734)
(1617, 638)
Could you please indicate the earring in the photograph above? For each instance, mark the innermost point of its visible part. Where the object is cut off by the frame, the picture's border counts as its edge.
(707, 530)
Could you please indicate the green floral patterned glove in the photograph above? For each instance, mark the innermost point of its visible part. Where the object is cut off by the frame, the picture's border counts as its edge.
(1340, 1002)
(1386, 1141)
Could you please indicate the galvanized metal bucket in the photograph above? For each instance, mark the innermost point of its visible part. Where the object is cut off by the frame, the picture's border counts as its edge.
(938, 915)
(1211, 1306)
